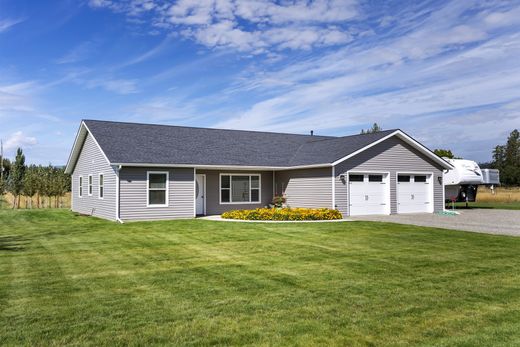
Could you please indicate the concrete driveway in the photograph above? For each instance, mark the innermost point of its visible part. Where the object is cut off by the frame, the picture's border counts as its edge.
(500, 222)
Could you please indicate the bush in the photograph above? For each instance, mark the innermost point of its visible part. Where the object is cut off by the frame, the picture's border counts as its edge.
(294, 214)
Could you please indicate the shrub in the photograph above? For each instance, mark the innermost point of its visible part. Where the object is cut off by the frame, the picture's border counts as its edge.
(277, 214)
(279, 201)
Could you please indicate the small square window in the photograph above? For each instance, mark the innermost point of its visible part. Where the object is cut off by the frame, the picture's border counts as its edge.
(421, 179)
(375, 178)
(356, 178)
(403, 178)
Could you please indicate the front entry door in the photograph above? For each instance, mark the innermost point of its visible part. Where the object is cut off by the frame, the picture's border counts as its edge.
(200, 193)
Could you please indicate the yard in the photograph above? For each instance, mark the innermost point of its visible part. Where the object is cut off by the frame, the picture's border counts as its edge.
(71, 280)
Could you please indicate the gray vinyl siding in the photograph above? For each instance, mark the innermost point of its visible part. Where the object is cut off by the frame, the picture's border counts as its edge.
(306, 187)
(213, 205)
(133, 194)
(91, 161)
(392, 155)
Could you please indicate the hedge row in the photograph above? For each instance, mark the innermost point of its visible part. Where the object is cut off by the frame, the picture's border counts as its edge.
(284, 214)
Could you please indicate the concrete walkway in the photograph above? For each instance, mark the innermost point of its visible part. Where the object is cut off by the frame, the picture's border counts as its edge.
(491, 221)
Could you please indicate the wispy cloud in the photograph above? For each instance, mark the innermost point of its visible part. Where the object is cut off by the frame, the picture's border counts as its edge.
(78, 53)
(119, 86)
(8, 23)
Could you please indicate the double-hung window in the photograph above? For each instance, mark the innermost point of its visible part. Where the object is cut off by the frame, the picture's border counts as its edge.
(101, 186)
(157, 189)
(239, 188)
(90, 185)
(80, 188)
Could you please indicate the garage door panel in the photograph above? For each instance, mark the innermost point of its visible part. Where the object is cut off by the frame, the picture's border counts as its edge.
(369, 196)
(412, 196)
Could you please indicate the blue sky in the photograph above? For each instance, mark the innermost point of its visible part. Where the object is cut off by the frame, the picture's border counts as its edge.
(448, 73)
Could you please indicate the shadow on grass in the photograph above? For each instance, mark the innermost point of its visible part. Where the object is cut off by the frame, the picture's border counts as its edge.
(13, 243)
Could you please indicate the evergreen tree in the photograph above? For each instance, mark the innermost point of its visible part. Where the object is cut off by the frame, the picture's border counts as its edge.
(506, 158)
(375, 129)
(444, 153)
(16, 177)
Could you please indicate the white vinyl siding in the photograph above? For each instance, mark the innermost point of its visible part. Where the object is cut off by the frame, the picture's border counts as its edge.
(91, 161)
(134, 194)
(310, 188)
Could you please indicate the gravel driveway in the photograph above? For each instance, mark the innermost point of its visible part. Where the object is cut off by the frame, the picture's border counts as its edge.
(500, 222)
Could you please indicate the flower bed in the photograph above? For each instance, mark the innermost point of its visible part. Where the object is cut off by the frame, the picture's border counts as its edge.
(294, 214)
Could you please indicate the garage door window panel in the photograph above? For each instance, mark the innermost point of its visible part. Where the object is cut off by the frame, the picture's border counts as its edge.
(375, 178)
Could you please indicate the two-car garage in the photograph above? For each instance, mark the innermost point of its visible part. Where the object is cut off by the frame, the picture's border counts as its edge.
(371, 192)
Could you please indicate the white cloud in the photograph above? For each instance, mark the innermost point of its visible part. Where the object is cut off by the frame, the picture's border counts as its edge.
(19, 139)
(6, 24)
(249, 25)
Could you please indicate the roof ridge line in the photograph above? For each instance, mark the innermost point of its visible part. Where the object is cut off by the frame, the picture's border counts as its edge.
(328, 137)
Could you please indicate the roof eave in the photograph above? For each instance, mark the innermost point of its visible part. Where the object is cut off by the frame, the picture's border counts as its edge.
(226, 167)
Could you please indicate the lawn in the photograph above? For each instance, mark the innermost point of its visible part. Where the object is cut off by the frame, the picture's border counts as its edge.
(515, 205)
(71, 280)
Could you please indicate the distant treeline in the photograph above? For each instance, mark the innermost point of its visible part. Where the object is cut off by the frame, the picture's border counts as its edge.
(22, 181)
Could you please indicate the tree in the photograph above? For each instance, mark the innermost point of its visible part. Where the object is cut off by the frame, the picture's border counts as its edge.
(7, 168)
(444, 153)
(506, 158)
(3, 186)
(30, 184)
(16, 177)
(375, 129)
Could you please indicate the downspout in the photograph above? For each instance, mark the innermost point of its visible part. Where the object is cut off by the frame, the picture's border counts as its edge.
(333, 187)
(117, 168)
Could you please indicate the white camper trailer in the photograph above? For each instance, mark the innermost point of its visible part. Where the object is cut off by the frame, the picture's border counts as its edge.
(461, 183)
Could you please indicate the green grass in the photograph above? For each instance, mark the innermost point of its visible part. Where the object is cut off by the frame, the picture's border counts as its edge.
(71, 280)
(489, 205)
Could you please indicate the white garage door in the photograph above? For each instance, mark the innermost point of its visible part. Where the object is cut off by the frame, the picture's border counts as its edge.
(369, 193)
(414, 193)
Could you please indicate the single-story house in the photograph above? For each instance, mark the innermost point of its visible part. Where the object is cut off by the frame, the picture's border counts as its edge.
(127, 171)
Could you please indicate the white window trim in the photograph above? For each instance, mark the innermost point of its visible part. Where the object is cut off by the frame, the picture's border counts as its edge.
(90, 185)
(80, 186)
(230, 193)
(101, 185)
(166, 204)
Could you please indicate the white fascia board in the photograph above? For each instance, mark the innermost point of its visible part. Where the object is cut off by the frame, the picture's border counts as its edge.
(406, 139)
(73, 153)
(226, 167)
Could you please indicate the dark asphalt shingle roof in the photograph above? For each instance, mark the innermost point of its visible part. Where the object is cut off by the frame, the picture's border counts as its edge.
(163, 144)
